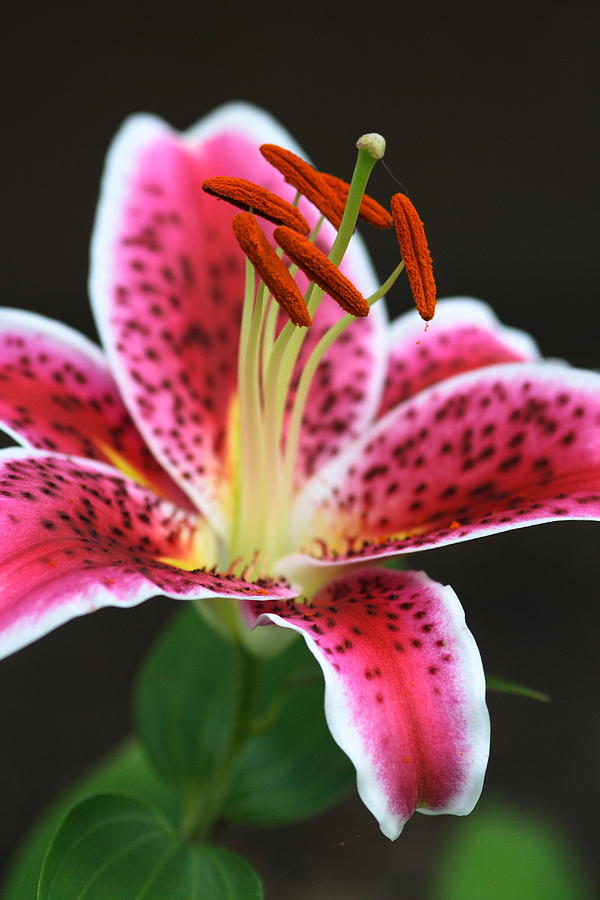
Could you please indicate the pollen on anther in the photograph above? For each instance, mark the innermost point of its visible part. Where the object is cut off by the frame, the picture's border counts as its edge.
(321, 270)
(415, 253)
(370, 210)
(306, 180)
(247, 195)
(273, 272)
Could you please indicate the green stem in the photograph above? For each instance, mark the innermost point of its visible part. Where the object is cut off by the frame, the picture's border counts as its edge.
(204, 804)
(365, 162)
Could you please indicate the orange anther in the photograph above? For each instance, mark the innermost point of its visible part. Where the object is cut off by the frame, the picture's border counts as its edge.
(245, 195)
(273, 272)
(319, 269)
(370, 210)
(415, 253)
(306, 180)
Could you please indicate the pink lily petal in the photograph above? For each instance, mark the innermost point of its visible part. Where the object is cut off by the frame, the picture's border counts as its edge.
(83, 536)
(56, 393)
(463, 335)
(491, 450)
(167, 287)
(404, 689)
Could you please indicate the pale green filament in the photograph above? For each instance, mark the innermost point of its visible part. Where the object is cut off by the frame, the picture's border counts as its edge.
(256, 473)
(241, 487)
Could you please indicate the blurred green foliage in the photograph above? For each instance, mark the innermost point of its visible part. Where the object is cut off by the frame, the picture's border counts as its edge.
(501, 852)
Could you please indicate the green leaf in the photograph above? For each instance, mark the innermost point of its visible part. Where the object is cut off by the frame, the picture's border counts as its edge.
(502, 686)
(502, 853)
(291, 769)
(125, 770)
(185, 701)
(113, 846)
(193, 688)
(397, 563)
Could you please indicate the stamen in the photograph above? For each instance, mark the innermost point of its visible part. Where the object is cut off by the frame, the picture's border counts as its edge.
(305, 179)
(251, 564)
(415, 253)
(245, 195)
(319, 269)
(273, 272)
(370, 210)
(233, 565)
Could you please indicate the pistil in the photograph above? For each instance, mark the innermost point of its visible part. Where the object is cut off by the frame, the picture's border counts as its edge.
(370, 210)
(286, 349)
(268, 441)
(284, 356)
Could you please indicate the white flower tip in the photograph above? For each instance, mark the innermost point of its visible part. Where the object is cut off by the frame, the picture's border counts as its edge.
(373, 143)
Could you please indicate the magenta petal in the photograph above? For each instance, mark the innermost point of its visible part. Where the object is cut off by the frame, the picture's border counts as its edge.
(167, 285)
(463, 335)
(82, 537)
(404, 689)
(56, 393)
(488, 451)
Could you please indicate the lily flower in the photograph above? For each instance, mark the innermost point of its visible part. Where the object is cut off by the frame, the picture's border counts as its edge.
(213, 452)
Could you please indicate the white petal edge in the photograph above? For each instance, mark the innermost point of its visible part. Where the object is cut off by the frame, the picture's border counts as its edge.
(462, 311)
(21, 320)
(21, 635)
(35, 323)
(332, 473)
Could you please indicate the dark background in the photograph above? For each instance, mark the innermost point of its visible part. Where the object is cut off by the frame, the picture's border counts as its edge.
(490, 120)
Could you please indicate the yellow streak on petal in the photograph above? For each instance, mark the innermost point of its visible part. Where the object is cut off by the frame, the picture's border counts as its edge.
(200, 553)
(124, 465)
(400, 535)
(341, 542)
(202, 550)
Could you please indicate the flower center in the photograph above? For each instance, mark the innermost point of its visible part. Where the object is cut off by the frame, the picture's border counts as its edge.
(272, 390)
(271, 400)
